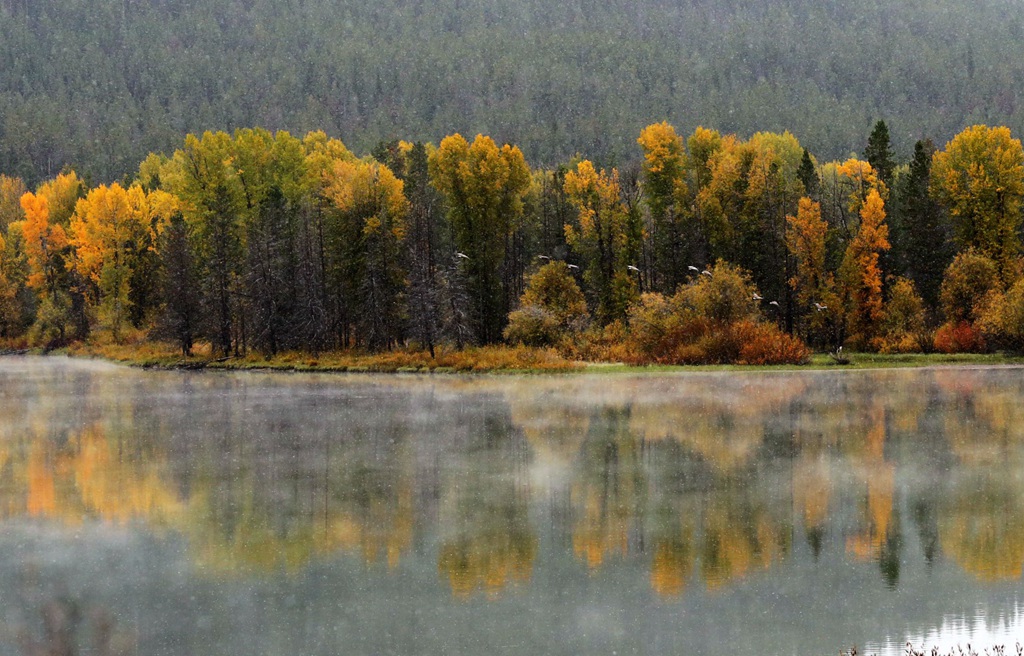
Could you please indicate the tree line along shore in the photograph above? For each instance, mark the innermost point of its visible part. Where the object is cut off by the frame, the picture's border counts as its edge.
(711, 249)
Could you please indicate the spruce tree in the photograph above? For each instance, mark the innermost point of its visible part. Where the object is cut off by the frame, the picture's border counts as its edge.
(879, 152)
(808, 175)
(921, 248)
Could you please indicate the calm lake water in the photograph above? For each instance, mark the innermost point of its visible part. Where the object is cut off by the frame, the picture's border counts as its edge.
(765, 513)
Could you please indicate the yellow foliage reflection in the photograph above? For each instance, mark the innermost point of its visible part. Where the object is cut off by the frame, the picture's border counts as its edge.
(703, 478)
(489, 562)
(725, 427)
(672, 566)
(879, 478)
(86, 479)
(983, 530)
(608, 488)
(739, 539)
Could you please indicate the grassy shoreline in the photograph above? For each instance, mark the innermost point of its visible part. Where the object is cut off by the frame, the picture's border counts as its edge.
(482, 360)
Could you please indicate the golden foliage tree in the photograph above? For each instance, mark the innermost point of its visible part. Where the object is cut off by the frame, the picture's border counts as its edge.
(861, 275)
(844, 189)
(600, 237)
(483, 187)
(62, 193)
(371, 225)
(44, 244)
(979, 177)
(663, 170)
(111, 229)
(753, 186)
(813, 283)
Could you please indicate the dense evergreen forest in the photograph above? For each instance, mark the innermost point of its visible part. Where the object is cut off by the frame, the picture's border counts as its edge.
(714, 249)
(98, 84)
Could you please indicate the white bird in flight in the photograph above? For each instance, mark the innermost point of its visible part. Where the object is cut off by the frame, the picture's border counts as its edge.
(758, 297)
(572, 266)
(775, 303)
(632, 268)
(692, 268)
(462, 255)
(819, 307)
(705, 272)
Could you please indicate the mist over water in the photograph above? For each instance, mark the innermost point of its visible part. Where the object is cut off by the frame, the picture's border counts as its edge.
(796, 512)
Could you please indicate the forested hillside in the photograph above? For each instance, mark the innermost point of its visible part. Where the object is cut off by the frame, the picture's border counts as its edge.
(98, 84)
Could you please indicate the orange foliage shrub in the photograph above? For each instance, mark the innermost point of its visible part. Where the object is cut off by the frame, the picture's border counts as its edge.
(494, 358)
(699, 341)
(608, 344)
(960, 337)
(765, 344)
(712, 321)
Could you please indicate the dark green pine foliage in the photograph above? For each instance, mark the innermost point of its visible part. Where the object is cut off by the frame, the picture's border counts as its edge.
(879, 153)
(98, 84)
(920, 228)
(808, 175)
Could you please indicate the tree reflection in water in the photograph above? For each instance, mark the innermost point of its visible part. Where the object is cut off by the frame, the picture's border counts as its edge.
(704, 478)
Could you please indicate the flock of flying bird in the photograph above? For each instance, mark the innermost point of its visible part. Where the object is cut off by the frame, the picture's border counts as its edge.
(757, 297)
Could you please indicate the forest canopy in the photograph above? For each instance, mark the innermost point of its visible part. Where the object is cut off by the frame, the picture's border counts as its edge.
(714, 249)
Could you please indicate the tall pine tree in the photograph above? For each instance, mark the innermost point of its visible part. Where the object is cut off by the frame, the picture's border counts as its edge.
(879, 152)
(921, 247)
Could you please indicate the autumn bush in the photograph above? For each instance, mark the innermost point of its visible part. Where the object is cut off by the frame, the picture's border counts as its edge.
(971, 298)
(726, 296)
(903, 327)
(1002, 319)
(966, 286)
(608, 344)
(659, 326)
(551, 308)
(764, 343)
(714, 320)
(960, 337)
(533, 326)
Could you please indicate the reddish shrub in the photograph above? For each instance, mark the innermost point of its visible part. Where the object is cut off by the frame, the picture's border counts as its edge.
(961, 337)
(764, 343)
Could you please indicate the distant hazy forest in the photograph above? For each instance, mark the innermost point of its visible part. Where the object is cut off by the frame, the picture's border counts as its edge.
(98, 84)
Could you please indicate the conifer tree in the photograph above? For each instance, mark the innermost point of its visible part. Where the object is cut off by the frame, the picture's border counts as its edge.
(920, 229)
(879, 153)
(423, 245)
(180, 316)
(808, 175)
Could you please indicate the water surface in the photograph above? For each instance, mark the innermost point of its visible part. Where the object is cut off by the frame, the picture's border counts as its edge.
(783, 513)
